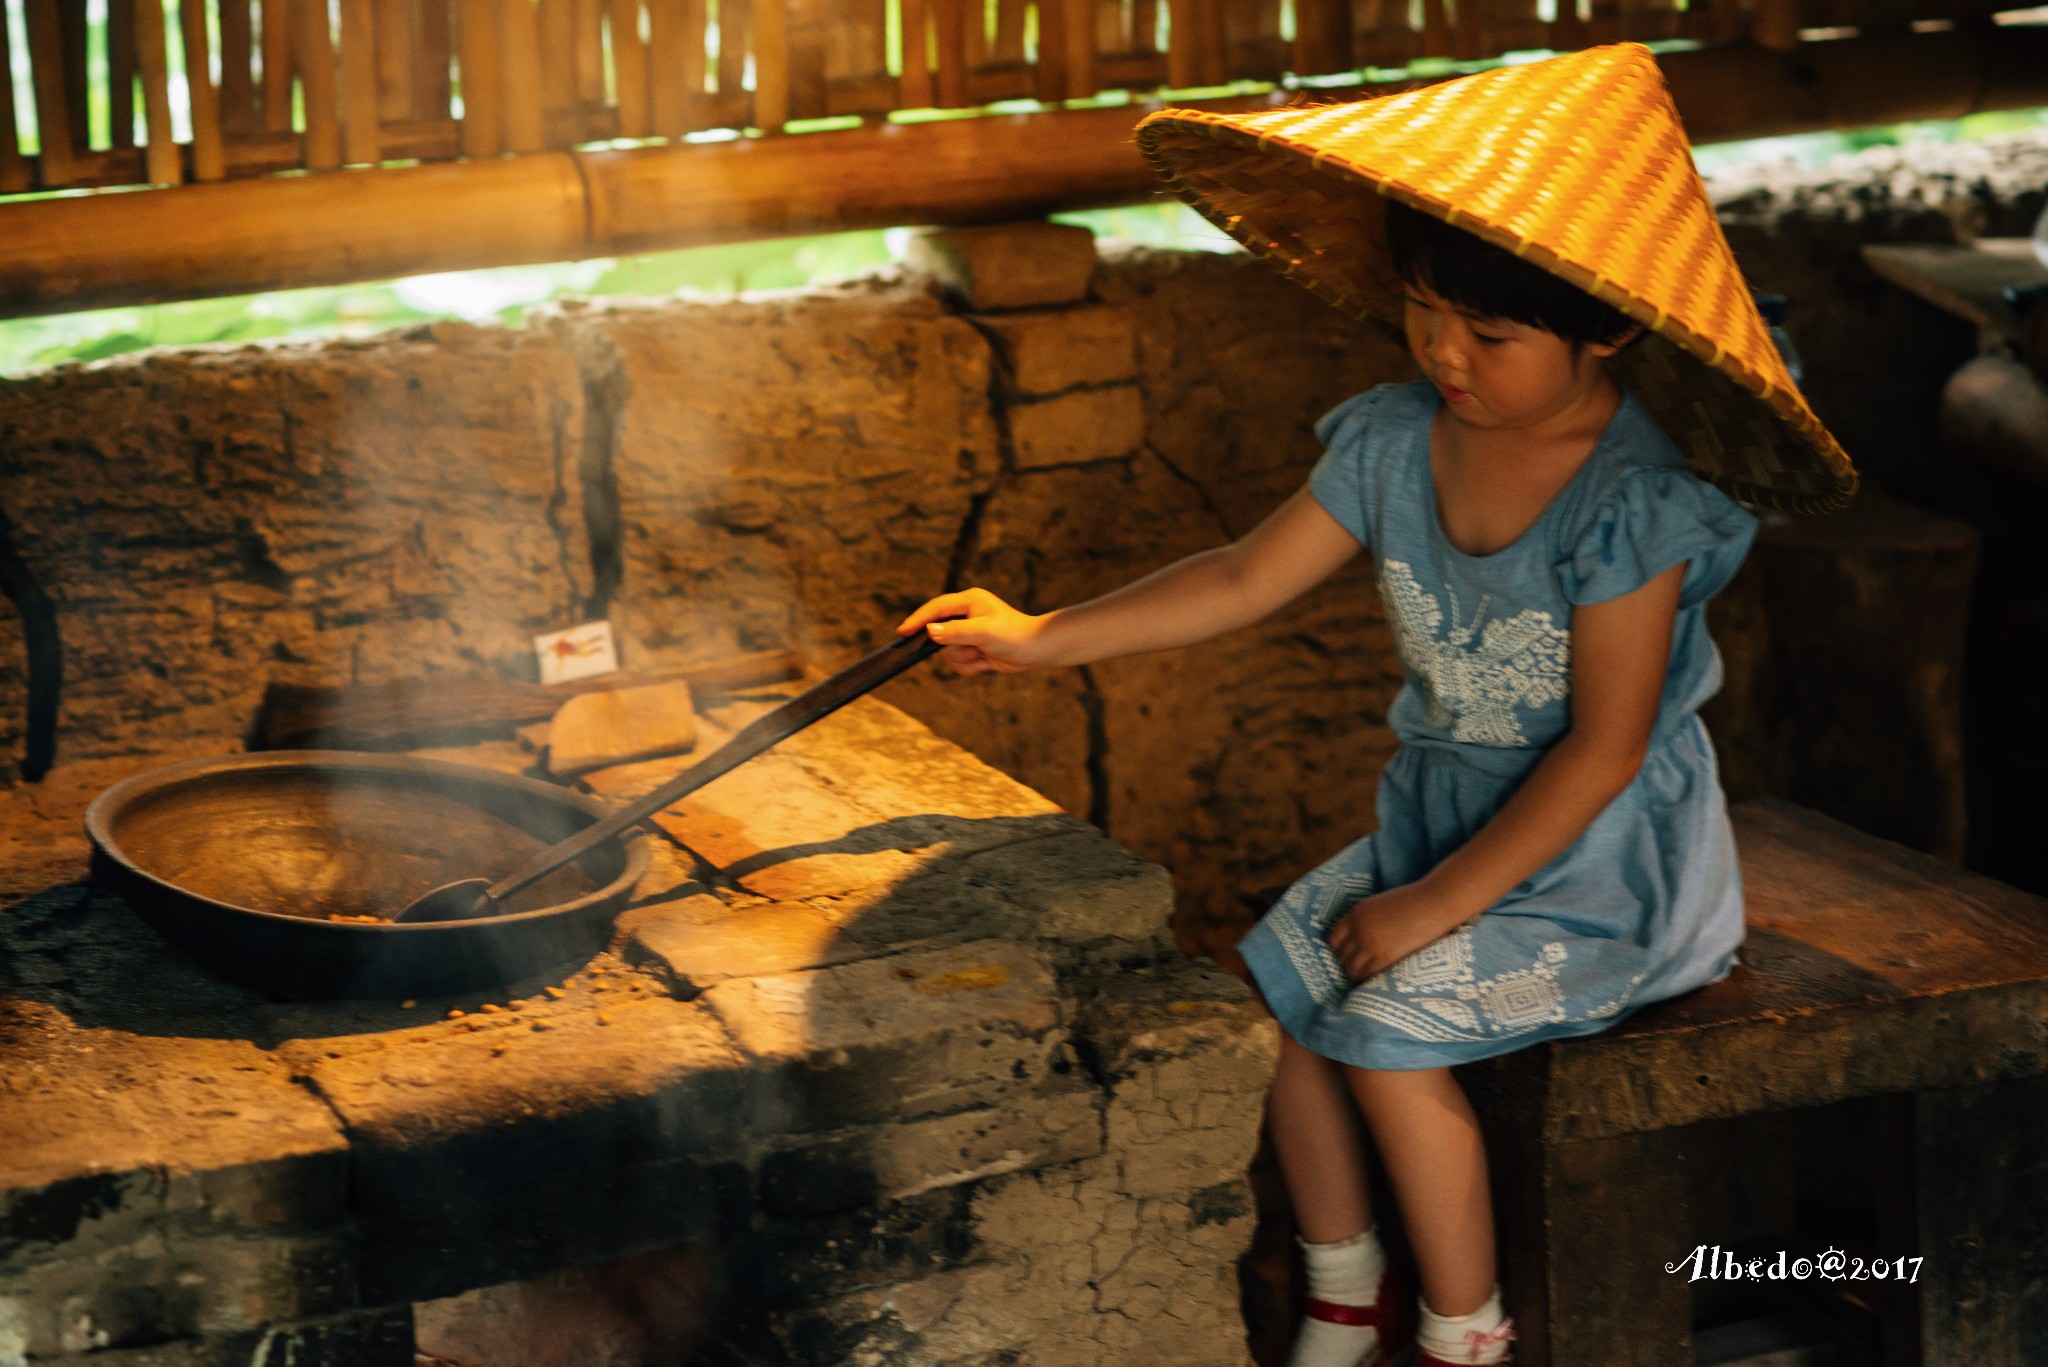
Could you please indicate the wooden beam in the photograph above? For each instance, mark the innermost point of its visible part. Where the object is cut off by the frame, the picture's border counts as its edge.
(242, 236)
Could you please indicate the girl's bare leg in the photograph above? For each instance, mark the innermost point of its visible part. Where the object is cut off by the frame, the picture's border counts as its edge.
(1429, 1140)
(1320, 1142)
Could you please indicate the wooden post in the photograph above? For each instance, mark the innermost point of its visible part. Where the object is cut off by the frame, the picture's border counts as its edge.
(152, 59)
(1049, 81)
(433, 84)
(590, 51)
(209, 161)
(629, 68)
(914, 86)
(14, 177)
(558, 60)
(476, 42)
(120, 75)
(359, 92)
(771, 64)
(1181, 44)
(1080, 23)
(53, 102)
(397, 42)
(237, 68)
(315, 45)
(519, 75)
(77, 85)
(666, 91)
(735, 24)
(696, 57)
(279, 63)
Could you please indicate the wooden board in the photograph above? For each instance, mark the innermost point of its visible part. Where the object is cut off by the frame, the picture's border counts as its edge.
(1868, 968)
(1969, 282)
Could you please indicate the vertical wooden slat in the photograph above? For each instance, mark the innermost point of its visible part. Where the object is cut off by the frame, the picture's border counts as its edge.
(433, 89)
(53, 103)
(120, 75)
(1321, 46)
(77, 84)
(590, 51)
(557, 55)
(1468, 32)
(476, 45)
(237, 69)
(914, 86)
(1215, 16)
(665, 91)
(14, 176)
(1182, 46)
(279, 63)
(629, 67)
(1009, 40)
(360, 145)
(735, 22)
(1145, 25)
(1436, 29)
(949, 51)
(152, 62)
(1080, 42)
(315, 44)
(397, 43)
(1111, 35)
(209, 158)
(771, 64)
(519, 75)
(696, 57)
(1049, 80)
(807, 27)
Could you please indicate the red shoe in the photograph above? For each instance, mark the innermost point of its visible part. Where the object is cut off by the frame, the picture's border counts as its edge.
(1500, 1333)
(1392, 1313)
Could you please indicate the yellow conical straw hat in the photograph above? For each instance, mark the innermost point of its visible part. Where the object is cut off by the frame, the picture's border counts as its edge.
(1577, 163)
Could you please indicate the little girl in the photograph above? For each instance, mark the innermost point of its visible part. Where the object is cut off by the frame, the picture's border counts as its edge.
(1553, 848)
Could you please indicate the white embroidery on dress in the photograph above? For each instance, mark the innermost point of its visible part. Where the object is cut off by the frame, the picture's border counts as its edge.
(1472, 690)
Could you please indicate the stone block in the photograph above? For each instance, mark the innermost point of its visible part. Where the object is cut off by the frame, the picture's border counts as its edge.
(1058, 1122)
(206, 520)
(1079, 426)
(769, 453)
(1188, 1055)
(1045, 352)
(379, 1337)
(536, 1138)
(1006, 265)
(893, 1038)
(705, 939)
(796, 1262)
(620, 726)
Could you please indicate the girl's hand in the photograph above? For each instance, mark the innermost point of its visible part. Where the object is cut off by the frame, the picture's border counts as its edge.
(1387, 927)
(981, 632)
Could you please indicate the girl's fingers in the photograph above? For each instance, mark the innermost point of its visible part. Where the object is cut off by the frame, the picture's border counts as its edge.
(945, 605)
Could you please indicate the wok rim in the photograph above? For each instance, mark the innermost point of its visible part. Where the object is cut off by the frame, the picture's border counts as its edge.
(110, 804)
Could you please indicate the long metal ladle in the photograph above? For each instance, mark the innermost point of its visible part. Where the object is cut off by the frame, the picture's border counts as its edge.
(472, 897)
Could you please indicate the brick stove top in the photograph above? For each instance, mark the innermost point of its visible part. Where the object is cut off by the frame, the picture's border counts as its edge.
(901, 1051)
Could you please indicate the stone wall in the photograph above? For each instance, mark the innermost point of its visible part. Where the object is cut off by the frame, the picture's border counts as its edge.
(802, 467)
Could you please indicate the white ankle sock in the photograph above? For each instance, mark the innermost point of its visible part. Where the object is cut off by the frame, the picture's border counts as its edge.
(1344, 1273)
(1480, 1337)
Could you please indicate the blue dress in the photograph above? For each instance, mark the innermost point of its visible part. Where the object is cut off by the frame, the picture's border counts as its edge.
(1648, 902)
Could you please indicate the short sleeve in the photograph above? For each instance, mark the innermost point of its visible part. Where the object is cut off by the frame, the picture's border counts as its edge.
(1338, 481)
(1647, 521)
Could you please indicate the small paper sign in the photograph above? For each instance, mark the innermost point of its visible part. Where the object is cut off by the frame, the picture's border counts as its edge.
(580, 652)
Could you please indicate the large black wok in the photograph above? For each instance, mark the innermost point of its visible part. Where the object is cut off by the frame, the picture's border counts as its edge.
(243, 861)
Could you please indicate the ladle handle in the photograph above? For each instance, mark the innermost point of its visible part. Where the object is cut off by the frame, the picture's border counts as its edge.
(863, 676)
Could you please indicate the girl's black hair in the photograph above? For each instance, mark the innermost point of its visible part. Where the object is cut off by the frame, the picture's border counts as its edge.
(1494, 283)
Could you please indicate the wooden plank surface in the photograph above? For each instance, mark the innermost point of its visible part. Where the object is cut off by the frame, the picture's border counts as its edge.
(54, 133)
(1969, 282)
(313, 44)
(360, 90)
(202, 96)
(476, 42)
(161, 163)
(519, 69)
(1868, 968)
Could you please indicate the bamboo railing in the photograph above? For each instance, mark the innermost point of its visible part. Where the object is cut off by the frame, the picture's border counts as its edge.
(166, 92)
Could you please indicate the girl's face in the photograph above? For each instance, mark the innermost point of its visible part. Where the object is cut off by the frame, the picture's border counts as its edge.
(1493, 373)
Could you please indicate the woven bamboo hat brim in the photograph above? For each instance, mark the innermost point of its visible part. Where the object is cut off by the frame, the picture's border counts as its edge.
(1578, 164)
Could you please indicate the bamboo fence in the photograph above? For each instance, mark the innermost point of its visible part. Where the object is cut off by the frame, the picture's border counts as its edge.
(162, 92)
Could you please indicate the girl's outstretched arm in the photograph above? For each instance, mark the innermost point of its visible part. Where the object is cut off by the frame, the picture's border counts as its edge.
(1191, 600)
(1621, 650)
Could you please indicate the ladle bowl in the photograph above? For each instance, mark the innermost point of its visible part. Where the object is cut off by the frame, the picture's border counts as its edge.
(246, 862)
